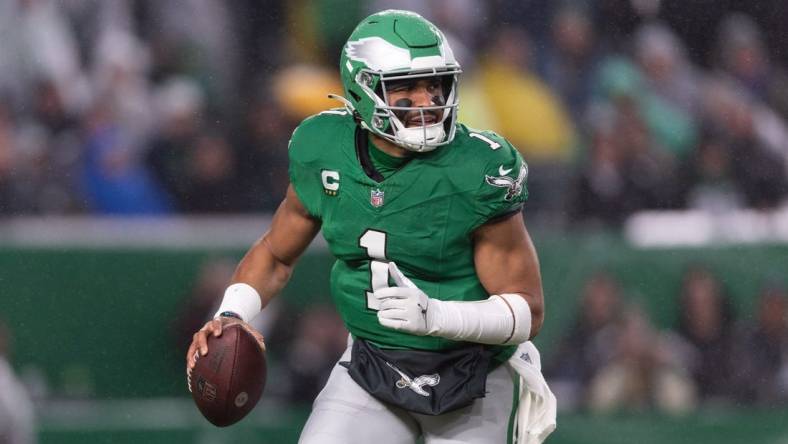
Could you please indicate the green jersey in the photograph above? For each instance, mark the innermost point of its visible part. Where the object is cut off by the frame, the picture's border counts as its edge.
(421, 216)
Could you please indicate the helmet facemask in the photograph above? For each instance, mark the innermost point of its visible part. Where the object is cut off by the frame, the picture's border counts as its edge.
(388, 119)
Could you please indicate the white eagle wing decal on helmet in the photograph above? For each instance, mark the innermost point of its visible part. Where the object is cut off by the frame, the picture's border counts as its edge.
(378, 54)
(448, 54)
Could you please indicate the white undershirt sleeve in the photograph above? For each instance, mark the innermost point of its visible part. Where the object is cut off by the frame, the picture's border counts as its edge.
(500, 319)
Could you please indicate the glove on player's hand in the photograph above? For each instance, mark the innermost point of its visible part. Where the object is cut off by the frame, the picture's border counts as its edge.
(405, 307)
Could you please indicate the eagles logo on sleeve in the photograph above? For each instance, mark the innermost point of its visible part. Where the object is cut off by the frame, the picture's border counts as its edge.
(514, 185)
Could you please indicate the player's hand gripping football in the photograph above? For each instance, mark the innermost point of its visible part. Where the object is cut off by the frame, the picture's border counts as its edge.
(405, 307)
(199, 345)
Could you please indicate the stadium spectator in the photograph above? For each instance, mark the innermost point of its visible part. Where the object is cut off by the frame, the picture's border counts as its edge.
(7, 135)
(709, 179)
(757, 140)
(667, 72)
(180, 107)
(642, 373)
(624, 171)
(120, 81)
(704, 340)
(587, 346)
(523, 106)
(670, 129)
(39, 44)
(114, 175)
(600, 192)
(262, 156)
(211, 172)
(761, 355)
(743, 55)
(47, 156)
(572, 62)
(651, 170)
(199, 40)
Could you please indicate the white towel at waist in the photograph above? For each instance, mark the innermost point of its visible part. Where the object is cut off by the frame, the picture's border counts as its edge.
(536, 413)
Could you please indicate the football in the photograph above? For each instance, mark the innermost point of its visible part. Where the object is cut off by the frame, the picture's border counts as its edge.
(227, 383)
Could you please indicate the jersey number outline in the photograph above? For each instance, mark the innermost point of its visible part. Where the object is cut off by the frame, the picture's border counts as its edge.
(374, 242)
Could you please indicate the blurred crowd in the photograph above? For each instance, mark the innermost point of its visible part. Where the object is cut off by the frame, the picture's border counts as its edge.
(146, 107)
(613, 358)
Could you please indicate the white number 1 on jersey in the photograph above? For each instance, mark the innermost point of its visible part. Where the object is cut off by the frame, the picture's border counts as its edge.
(493, 144)
(375, 243)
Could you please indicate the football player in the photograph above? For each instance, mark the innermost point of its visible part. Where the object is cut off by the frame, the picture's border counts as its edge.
(436, 277)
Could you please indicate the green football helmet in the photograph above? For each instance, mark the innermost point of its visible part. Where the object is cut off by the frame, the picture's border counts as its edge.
(392, 46)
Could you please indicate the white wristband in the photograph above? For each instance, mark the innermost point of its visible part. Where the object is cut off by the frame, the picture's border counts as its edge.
(500, 319)
(241, 299)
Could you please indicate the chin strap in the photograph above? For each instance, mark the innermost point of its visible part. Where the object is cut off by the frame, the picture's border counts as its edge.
(418, 138)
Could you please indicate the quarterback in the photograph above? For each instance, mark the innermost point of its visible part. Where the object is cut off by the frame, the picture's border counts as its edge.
(436, 277)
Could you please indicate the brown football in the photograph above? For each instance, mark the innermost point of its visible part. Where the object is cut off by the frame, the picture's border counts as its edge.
(227, 382)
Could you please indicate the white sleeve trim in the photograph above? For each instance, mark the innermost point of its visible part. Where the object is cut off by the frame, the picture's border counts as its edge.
(521, 317)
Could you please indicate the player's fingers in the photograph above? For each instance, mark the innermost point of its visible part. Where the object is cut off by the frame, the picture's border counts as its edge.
(214, 327)
(389, 292)
(391, 303)
(395, 324)
(257, 335)
(261, 341)
(201, 341)
(194, 348)
(400, 279)
(393, 313)
(190, 355)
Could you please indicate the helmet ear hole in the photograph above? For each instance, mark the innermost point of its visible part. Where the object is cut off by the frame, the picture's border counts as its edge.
(355, 96)
(365, 79)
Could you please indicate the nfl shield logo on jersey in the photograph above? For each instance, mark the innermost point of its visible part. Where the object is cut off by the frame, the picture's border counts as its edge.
(376, 198)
